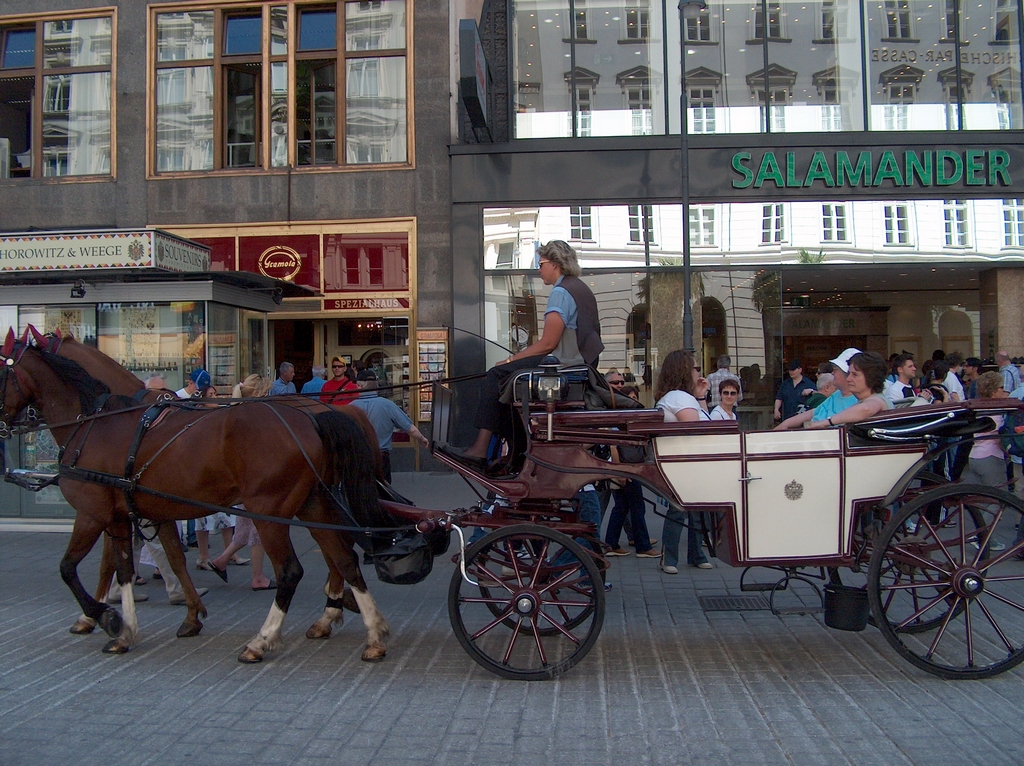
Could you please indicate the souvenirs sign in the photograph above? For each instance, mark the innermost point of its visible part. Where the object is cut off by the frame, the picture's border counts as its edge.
(102, 250)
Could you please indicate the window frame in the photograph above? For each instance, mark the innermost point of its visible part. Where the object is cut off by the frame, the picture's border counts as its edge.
(268, 58)
(835, 223)
(891, 219)
(581, 222)
(39, 73)
(956, 224)
(1013, 223)
(635, 215)
(773, 224)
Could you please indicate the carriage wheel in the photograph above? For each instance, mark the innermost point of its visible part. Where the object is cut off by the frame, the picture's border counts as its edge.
(535, 612)
(939, 595)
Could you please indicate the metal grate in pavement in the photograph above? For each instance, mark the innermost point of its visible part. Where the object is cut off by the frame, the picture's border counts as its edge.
(732, 603)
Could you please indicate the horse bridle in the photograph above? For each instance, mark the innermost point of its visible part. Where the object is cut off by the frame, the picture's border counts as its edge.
(12, 352)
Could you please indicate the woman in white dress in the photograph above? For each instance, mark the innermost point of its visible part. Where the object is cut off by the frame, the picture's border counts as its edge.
(729, 394)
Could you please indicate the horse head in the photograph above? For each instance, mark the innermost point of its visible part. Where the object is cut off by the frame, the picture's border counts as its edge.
(15, 387)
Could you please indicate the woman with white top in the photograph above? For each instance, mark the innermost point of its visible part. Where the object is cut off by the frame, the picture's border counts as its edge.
(680, 394)
(728, 394)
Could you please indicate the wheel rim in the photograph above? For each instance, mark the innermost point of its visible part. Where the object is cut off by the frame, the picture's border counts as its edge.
(534, 613)
(939, 594)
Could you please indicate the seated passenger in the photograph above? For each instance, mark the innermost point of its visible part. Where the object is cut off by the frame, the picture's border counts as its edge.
(572, 332)
(838, 401)
(865, 381)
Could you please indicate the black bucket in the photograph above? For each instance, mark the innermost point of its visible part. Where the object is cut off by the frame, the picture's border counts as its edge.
(846, 608)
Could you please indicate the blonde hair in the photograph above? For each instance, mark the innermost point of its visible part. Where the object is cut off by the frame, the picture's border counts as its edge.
(252, 386)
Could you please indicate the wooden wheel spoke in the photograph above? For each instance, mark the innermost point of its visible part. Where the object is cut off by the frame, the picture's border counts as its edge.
(483, 600)
(1008, 602)
(942, 545)
(920, 560)
(540, 560)
(969, 628)
(490, 626)
(560, 582)
(942, 629)
(941, 598)
(540, 644)
(995, 626)
(560, 628)
(482, 573)
(511, 642)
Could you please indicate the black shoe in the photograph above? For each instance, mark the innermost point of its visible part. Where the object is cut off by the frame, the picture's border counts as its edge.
(478, 464)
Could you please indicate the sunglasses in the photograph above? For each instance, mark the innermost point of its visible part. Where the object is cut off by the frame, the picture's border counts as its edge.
(730, 393)
(616, 382)
(342, 366)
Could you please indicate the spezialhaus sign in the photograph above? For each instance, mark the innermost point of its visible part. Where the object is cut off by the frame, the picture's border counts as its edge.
(878, 172)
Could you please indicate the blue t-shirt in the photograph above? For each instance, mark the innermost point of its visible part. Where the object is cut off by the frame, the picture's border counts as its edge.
(833, 405)
(384, 415)
(313, 386)
(563, 304)
(280, 387)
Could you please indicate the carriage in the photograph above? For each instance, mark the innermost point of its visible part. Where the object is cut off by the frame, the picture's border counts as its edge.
(526, 599)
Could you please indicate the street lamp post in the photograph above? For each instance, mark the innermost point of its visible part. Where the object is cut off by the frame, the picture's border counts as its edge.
(688, 9)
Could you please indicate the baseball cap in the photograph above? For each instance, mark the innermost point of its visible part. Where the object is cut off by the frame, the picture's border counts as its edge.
(843, 360)
(200, 377)
(364, 375)
(794, 364)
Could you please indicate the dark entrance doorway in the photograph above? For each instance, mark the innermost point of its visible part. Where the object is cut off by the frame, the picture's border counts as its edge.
(293, 342)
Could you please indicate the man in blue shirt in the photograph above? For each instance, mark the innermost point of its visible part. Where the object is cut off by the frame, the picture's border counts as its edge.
(283, 384)
(793, 392)
(385, 416)
(319, 378)
(1009, 371)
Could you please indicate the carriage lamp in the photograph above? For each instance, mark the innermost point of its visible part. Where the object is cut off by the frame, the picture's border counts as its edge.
(549, 386)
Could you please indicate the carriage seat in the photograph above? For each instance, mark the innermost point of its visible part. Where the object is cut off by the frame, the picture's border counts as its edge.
(918, 424)
(572, 387)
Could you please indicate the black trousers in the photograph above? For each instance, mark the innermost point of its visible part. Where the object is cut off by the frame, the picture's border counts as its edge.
(492, 414)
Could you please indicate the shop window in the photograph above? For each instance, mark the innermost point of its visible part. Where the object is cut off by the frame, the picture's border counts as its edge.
(773, 226)
(55, 114)
(897, 224)
(358, 263)
(580, 227)
(833, 223)
(1013, 222)
(641, 220)
(897, 20)
(954, 216)
(198, 93)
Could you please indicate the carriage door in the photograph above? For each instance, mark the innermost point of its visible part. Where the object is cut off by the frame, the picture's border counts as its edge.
(793, 497)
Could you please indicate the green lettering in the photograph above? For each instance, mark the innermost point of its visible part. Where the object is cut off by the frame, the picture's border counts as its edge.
(737, 164)
(857, 175)
(941, 158)
(791, 170)
(921, 167)
(888, 170)
(769, 171)
(998, 165)
(975, 166)
(819, 171)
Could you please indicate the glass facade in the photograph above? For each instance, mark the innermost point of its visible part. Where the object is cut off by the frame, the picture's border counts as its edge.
(601, 69)
(211, 99)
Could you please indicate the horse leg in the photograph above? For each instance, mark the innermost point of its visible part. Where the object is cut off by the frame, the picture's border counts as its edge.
(120, 536)
(278, 544)
(83, 537)
(168, 534)
(85, 625)
(338, 596)
(376, 625)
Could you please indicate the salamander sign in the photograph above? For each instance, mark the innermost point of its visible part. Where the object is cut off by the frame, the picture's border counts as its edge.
(856, 172)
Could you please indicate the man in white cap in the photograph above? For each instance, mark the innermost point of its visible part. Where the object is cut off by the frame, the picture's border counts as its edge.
(839, 401)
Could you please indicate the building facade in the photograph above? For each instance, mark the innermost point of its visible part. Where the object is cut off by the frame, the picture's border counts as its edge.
(854, 169)
(305, 141)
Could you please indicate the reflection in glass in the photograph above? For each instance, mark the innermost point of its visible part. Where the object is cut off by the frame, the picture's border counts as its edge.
(241, 123)
(184, 118)
(375, 111)
(19, 49)
(78, 42)
(76, 124)
(317, 30)
(184, 36)
(278, 114)
(990, 67)
(278, 30)
(163, 338)
(375, 26)
(315, 112)
(242, 35)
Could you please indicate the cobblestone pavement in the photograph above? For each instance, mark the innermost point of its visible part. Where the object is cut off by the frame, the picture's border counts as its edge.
(665, 684)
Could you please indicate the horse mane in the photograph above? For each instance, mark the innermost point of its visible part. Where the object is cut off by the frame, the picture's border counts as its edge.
(89, 389)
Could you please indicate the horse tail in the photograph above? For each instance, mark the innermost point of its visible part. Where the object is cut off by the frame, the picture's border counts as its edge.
(354, 464)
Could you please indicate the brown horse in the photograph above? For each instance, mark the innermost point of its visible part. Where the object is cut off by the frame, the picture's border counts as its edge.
(205, 455)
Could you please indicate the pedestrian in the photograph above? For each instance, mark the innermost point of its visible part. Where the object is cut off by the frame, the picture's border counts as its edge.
(793, 393)
(1009, 371)
(197, 381)
(316, 383)
(385, 416)
(284, 384)
(722, 373)
(341, 389)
